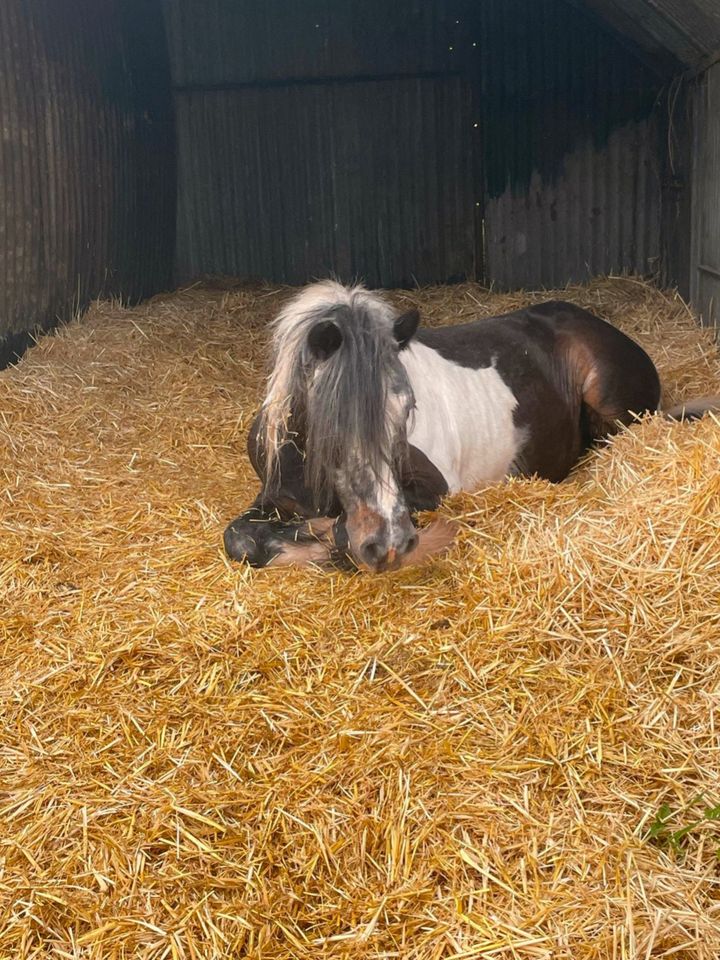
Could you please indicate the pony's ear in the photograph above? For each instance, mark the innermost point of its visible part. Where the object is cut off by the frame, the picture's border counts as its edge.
(324, 339)
(405, 326)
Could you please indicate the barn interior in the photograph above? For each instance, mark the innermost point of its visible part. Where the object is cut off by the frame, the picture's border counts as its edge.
(522, 144)
(511, 751)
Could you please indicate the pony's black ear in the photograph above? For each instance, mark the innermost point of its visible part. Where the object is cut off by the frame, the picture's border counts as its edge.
(324, 339)
(405, 326)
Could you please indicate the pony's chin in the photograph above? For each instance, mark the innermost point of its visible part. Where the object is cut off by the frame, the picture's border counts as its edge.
(391, 563)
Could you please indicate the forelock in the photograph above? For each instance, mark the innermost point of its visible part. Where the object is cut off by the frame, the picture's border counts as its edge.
(342, 400)
(319, 300)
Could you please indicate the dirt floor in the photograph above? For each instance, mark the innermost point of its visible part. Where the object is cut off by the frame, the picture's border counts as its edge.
(510, 752)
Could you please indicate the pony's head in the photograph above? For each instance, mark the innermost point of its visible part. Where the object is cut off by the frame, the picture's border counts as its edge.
(339, 387)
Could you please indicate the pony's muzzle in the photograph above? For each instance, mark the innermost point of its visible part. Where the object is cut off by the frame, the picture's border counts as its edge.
(384, 549)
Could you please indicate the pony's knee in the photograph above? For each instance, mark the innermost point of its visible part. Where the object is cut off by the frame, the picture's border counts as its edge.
(263, 543)
(244, 541)
(301, 554)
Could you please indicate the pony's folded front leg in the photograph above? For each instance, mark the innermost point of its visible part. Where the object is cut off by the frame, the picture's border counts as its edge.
(263, 539)
(305, 543)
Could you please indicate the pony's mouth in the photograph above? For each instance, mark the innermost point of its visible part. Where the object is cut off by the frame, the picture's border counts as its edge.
(391, 562)
(430, 542)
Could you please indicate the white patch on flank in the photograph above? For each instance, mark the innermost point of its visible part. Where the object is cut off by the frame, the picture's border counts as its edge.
(463, 419)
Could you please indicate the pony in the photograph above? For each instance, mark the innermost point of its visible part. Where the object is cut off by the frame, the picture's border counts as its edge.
(369, 419)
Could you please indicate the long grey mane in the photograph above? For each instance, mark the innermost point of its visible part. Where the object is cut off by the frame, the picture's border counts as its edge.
(339, 404)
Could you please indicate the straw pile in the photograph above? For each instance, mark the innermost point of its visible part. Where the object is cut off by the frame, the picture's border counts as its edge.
(512, 751)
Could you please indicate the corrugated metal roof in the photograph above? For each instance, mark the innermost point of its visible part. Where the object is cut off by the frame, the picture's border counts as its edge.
(688, 30)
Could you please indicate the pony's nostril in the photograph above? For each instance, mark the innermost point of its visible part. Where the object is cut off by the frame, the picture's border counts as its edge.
(372, 552)
(376, 553)
(412, 542)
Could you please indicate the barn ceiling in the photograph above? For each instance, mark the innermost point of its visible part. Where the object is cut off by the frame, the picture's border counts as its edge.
(684, 31)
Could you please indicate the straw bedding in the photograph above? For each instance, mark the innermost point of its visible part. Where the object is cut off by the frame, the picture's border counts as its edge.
(512, 751)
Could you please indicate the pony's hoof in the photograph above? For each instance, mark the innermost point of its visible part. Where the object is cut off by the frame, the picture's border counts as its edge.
(241, 545)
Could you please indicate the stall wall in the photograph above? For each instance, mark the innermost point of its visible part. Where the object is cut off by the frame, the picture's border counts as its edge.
(323, 137)
(516, 141)
(705, 256)
(86, 159)
(573, 148)
(367, 178)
